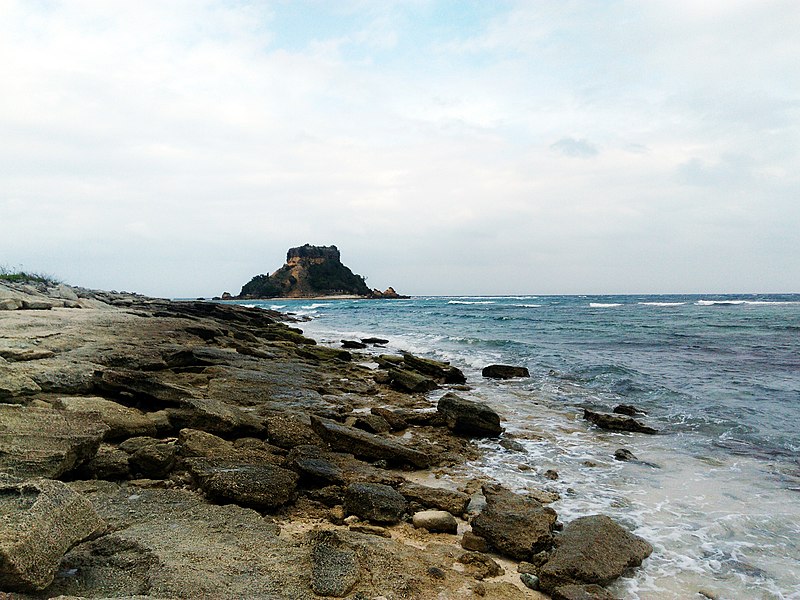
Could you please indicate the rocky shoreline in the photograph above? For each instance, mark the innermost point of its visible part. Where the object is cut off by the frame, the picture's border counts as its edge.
(162, 449)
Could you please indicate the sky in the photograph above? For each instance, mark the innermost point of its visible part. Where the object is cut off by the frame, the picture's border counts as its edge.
(446, 147)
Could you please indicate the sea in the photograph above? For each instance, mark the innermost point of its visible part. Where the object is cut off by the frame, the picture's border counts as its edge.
(716, 491)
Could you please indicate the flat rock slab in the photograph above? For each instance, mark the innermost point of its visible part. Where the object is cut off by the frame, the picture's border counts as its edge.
(214, 416)
(365, 445)
(40, 520)
(334, 567)
(259, 486)
(452, 501)
(593, 549)
(516, 526)
(123, 421)
(42, 442)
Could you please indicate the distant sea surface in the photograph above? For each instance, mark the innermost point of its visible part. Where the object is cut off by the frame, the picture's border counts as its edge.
(717, 492)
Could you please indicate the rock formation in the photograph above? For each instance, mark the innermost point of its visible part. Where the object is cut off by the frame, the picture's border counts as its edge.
(311, 271)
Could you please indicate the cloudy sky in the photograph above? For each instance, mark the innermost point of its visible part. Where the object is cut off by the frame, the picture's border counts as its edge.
(446, 147)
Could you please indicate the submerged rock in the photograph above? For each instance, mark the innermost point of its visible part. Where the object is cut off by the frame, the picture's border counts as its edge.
(592, 549)
(40, 520)
(504, 372)
(441, 371)
(617, 422)
(411, 381)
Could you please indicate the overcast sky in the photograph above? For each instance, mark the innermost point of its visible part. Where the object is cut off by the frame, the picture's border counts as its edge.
(446, 147)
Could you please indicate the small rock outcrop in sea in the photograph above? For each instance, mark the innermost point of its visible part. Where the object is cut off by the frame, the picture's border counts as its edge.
(312, 271)
(504, 372)
(467, 417)
(614, 422)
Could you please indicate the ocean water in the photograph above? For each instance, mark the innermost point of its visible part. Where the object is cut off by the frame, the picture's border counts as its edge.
(717, 491)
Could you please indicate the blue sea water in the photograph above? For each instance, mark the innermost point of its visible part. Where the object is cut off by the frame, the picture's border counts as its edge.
(717, 492)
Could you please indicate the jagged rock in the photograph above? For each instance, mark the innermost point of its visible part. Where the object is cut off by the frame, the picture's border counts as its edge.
(452, 501)
(140, 386)
(40, 520)
(123, 422)
(475, 543)
(353, 345)
(395, 421)
(435, 521)
(592, 549)
(480, 566)
(366, 445)
(372, 423)
(468, 417)
(153, 461)
(624, 454)
(42, 442)
(582, 592)
(109, 463)
(290, 430)
(504, 372)
(374, 502)
(14, 384)
(628, 409)
(440, 371)
(319, 467)
(215, 416)
(261, 486)
(410, 381)
(529, 580)
(517, 526)
(195, 443)
(24, 355)
(616, 422)
(335, 569)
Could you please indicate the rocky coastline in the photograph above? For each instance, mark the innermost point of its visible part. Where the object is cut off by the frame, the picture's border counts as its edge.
(186, 449)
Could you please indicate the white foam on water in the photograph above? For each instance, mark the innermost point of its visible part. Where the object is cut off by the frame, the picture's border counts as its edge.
(471, 302)
(662, 303)
(604, 304)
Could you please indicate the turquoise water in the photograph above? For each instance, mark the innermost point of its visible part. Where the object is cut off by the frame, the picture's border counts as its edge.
(717, 492)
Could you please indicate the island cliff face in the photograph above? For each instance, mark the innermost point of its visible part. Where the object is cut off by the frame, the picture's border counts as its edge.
(311, 271)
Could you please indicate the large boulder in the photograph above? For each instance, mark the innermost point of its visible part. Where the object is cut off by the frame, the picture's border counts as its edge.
(504, 372)
(40, 520)
(592, 549)
(468, 417)
(42, 442)
(441, 371)
(259, 486)
(288, 430)
(614, 422)
(123, 422)
(412, 382)
(435, 521)
(516, 526)
(452, 501)
(366, 445)
(374, 502)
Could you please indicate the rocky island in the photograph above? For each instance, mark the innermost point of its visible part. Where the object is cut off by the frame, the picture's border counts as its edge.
(156, 449)
(310, 272)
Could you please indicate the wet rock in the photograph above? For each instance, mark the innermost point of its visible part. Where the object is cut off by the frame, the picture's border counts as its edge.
(551, 475)
(504, 372)
(261, 486)
(616, 422)
(512, 445)
(411, 382)
(41, 442)
(529, 580)
(435, 521)
(592, 549)
(123, 421)
(395, 421)
(366, 445)
(353, 345)
(39, 521)
(468, 417)
(375, 341)
(628, 409)
(215, 416)
(582, 592)
(372, 423)
(289, 430)
(374, 502)
(335, 568)
(517, 526)
(452, 501)
(440, 371)
(624, 454)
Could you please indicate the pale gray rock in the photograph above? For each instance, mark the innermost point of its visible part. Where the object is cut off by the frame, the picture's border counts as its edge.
(123, 422)
(435, 521)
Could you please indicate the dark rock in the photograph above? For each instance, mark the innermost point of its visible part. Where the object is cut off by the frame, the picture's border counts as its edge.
(468, 417)
(353, 345)
(624, 454)
(288, 430)
(470, 541)
(441, 371)
(372, 423)
(592, 549)
(41, 442)
(628, 409)
(40, 520)
(375, 341)
(515, 525)
(153, 461)
(334, 567)
(140, 386)
(616, 422)
(110, 463)
(410, 381)
(582, 592)
(261, 486)
(452, 501)
(512, 445)
(529, 580)
(323, 353)
(395, 421)
(435, 521)
(551, 474)
(504, 372)
(366, 445)
(374, 502)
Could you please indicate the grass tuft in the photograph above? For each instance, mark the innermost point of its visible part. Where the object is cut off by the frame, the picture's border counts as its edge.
(20, 276)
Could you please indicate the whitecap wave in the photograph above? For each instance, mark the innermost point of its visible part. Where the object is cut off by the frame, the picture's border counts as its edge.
(662, 303)
(604, 304)
(471, 302)
(314, 306)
